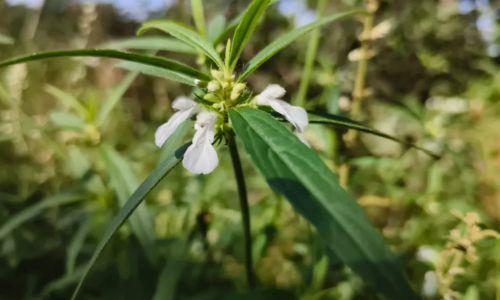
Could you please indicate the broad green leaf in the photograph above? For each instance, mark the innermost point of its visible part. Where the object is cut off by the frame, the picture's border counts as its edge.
(35, 210)
(67, 120)
(344, 122)
(6, 40)
(124, 182)
(198, 16)
(246, 27)
(114, 97)
(137, 197)
(67, 99)
(154, 61)
(297, 172)
(151, 43)
(286, 39)
(187, 36)
(157, 72)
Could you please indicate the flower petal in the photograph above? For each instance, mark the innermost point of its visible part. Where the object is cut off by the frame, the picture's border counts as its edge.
(296, 115)
(271, 92)
(183, 103)
(167, 129)
(201, 157)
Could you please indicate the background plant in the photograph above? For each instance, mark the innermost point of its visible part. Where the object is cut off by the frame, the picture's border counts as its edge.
(382, 185)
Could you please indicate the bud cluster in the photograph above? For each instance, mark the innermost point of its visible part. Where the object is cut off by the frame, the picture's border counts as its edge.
(224, 88)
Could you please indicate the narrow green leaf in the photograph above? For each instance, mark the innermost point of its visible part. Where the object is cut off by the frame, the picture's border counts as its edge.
(114, 97)
(344, 122)
(6, 40)
(310, 59)
(67, 120)
(168, 280)
(176, 139)
(76, 245)
(61, 283)
(67, 99)
(186, 35)
(35, 210)
(246, 27)
(224, 35)
(150, 43)
(198, 16)
(286, 39)
(124, 182)
(215, 27)
(157, 72)
(297, 172)
(137, 197)
(154, 61)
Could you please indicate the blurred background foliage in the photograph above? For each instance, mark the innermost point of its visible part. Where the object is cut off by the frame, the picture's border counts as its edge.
(76, 138)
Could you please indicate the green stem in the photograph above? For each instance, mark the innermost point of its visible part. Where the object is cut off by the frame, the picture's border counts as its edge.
(245, 210)
(312, 50)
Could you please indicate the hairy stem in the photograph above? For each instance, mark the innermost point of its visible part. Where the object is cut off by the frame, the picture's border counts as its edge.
(245, 210)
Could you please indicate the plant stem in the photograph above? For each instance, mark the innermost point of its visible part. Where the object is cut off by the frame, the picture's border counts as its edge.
(245, 210)
(359, 84)
(312, 50)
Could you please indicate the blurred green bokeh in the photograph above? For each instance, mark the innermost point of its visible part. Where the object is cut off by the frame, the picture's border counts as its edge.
(433, 79)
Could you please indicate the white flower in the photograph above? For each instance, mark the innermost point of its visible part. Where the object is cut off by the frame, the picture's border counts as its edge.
(185, 108)
(297, 116)
(200, 156)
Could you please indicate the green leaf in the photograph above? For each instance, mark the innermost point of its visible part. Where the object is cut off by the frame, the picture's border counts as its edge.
(157, 72)
(297, 172)
(198, 16)
(137, 197)
(35, 210)
(246, 27)
(67, 120)
(286, 39)
(124, 182)
(222, 36)
(6, 40)
(216, 26)
(67, 99)
(176, 139)
(76, 245)
(168, 279)
(344, 122)
(151, 43)
(114, 97)
(186, 35)
(155, 61)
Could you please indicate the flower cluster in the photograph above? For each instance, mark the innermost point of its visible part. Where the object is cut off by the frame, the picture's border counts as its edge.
(221, 93)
